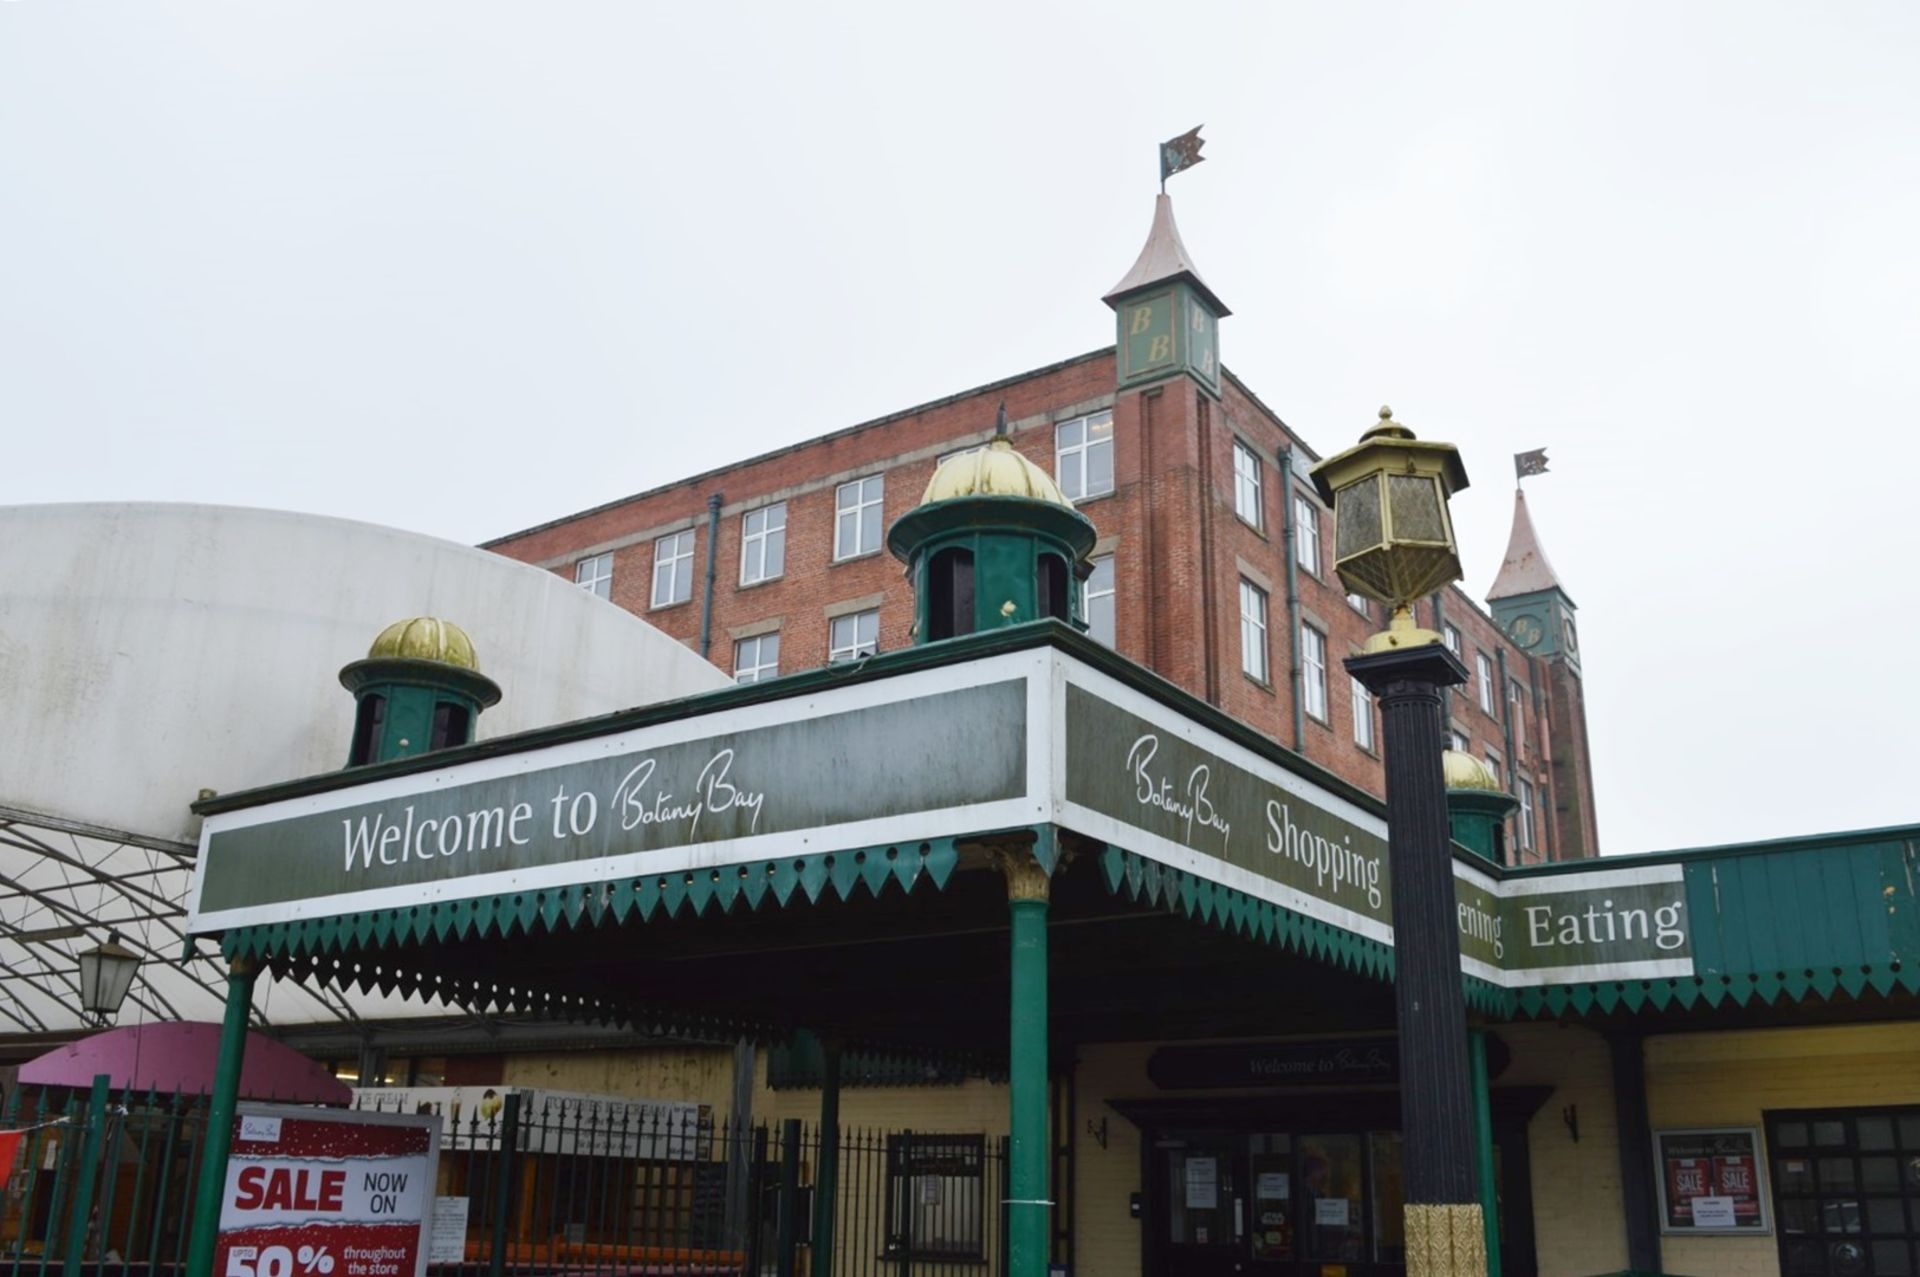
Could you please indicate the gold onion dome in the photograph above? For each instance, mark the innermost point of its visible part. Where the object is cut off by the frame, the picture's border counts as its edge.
(425, 638)
(1464, 771)
(996, 470)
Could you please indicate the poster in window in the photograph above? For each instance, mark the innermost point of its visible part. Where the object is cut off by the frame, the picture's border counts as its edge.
(1710, 1180)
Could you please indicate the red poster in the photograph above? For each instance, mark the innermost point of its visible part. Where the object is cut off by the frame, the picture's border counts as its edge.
(324, 1193)
(1734, 1177)
(9, 1147)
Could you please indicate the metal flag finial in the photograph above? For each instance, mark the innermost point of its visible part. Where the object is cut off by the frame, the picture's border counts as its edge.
(1179, 153)
(1526, 463)
(1000, 422)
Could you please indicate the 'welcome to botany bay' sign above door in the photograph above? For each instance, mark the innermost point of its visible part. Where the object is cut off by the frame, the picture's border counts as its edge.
(1010, 740)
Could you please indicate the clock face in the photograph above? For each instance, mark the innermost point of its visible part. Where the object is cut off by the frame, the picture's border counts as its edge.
(1566, 630)
(1526, 630)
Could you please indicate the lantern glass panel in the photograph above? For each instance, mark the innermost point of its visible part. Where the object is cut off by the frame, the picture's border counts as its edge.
(1356, 518)
(1416, 508)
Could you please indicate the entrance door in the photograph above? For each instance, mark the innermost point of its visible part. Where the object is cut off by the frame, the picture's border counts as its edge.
(1200, 1214)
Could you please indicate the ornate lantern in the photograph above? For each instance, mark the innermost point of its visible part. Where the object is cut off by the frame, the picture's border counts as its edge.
(1392, 536)
(106, 976)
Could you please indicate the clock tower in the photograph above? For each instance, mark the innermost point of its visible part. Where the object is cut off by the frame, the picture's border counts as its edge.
(1537, 613)
(1167, 321)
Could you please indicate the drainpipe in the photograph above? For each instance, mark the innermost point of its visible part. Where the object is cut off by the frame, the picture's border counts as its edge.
(1506, 716)
(1446, 693)
(1542, 827)
(1293, 597)
(713, 565)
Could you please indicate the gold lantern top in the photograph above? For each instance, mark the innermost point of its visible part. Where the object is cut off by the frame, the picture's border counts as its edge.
(1392, 535)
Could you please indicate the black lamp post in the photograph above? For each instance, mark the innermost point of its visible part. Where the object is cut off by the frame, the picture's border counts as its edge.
(106, 976)
(1393, 541)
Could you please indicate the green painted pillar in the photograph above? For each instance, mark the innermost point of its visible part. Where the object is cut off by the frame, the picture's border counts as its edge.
(1483, 1148)
(1029, 1209)
(226, 1094)
(826, 1176)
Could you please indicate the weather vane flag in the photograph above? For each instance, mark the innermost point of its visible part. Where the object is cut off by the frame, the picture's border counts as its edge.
(1179, 153)
(1526, 463)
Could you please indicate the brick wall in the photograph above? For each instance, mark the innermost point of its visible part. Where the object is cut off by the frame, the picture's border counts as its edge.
(1180, 551)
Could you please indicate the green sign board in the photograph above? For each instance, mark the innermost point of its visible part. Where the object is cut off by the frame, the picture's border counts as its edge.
(1168, 789)
(541, 817)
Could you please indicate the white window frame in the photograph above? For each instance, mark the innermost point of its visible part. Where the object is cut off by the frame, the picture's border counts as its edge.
(858, 504)
(760, 668)
(1450, 635)
(594, 574)
(1362, 715)
(855, 647)
(757, 545)
(1483, 675)
(1253, 632)
(1306, 534)
(1524, 828)
(673, 552)
(1248, 486)
(1313, 672)
(1359, 603)
(1091, 598)
(1081, 451)
(1458, 742)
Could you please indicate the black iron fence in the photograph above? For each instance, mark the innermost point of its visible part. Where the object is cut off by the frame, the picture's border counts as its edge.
(103, 1182)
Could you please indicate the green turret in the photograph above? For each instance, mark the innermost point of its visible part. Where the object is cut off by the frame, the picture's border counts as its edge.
(419, 689)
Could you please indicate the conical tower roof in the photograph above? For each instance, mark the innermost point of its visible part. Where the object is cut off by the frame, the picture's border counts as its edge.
(1164, 259)
(1526, 569)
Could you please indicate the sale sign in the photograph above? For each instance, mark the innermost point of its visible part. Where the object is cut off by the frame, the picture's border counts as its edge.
(322, 1193)
(1710, 1180)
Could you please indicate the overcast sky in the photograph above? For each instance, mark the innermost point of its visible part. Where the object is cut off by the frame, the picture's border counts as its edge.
(468, 267)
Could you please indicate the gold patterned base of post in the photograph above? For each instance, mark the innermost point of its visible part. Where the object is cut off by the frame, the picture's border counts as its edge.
(1445, 1241)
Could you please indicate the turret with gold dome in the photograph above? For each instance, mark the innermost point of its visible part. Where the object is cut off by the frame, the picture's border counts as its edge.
(993, 542)
(418, 689)
(1477, 805)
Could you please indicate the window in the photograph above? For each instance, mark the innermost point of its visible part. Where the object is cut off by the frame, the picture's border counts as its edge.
(452, 725)
(1246, 484)
(595, 575)
(1526, 815)
(1306, 534)
(1362, 715)
(1845, 1187)
(1099, 600)
(673, 569)
(368, 722)
(856, 528)
(1493, 761)
(1313, 671)
(1458, 742)
(1358, 602)
(763, 543)
(854, 635)
(1451, 637)
(1083, 456)
(1485, 670)
(1052, 582)
(936, 1196)
(756, 658)
(1253, 631)
(950, 593)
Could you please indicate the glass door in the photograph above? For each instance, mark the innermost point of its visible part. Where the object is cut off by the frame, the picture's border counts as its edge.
(1200, 1205)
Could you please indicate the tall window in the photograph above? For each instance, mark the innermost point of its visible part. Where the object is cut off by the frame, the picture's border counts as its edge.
(673, 568)
(1306, 534)
(1484, 668)
(1458, 741)
(1517, 712)
(1313, 671)
(1253, 630)
(1526, 815)
(857, 507)
(937, 1196)
(756, 658)
(1358, 602)
(1362, 715)
(950, 593)
(1246, 483)
(763, 543)
(595, 575)
(854, 635)
(1099, 600)
(1451, 637)
(1083, 455)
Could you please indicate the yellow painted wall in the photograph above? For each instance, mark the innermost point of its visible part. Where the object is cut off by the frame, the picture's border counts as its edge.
(1578, 1222)
(1729, 1079)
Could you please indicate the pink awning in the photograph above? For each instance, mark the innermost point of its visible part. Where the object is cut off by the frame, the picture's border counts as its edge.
(170, 1057)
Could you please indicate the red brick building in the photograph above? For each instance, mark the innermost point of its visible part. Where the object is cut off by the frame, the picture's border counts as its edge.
(1214, 566)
